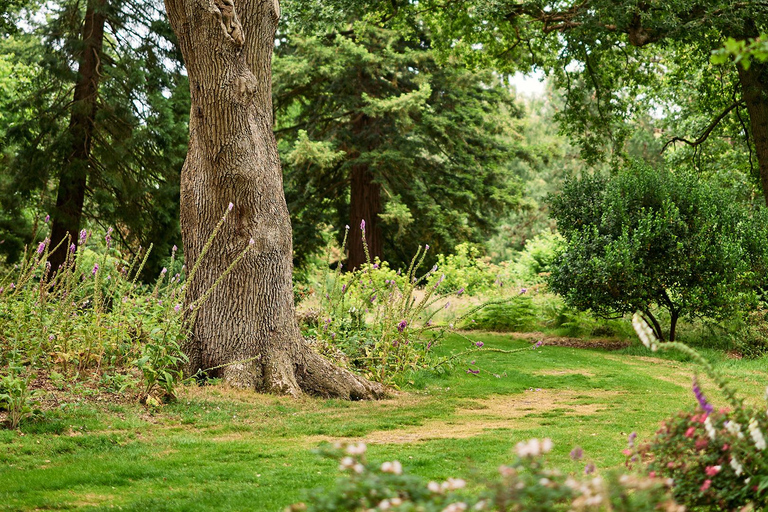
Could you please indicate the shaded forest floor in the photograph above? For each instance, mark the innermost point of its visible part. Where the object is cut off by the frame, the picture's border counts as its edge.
(220, 449)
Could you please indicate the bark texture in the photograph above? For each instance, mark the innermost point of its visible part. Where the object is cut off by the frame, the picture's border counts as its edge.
(754, 83)
(364, 205)
(247, 327)
(73, 178)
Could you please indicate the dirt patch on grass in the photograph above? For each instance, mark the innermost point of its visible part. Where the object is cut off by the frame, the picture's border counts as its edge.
(560, 373)
(498, 412)
(565, 341)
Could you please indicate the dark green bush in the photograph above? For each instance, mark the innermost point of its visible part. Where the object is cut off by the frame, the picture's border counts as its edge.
(649, 238)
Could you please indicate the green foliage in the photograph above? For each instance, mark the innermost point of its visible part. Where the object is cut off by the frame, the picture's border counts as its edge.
(465, 271)
(518, 314)
(16, 396)
(650, 238)
(378, 319)
(140, 128)
(436, 138)
(91, 323)
(529, 483)
(714, 467)
(534, 262)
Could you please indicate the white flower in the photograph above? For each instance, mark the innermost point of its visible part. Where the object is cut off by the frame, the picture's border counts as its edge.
(356, 449)
(456, 507)
(393, 467)
(453, 484)
(346, 463)
(534, 447)
(384, 505)
(757, 435)
(644, 331)
(358, 468)
(711, 432)
(434, 487)
(734, 428)
(736, 466)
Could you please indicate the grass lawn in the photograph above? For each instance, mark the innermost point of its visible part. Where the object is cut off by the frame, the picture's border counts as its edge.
(222, 449)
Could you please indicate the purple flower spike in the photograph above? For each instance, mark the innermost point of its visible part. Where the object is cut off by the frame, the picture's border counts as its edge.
(402, 325)
(589, 469)
(538, 344)
(41, 248)
(83, 236)
(362, 225)
(473, 372)
(47, 219)
(95, 269)
(706, 406)
(230, 206)
(461, 290)
(72, 248)
(577, 453)
(479, 344)
(426, 247)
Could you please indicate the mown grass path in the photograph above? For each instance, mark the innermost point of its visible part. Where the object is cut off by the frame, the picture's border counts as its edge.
(221, 449)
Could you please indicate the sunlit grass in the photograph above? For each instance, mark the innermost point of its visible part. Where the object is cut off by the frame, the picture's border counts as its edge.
(223, 449)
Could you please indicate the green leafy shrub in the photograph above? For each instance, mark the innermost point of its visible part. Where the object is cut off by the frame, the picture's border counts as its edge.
(526, 484)
(655, 238)
(751, 341)
(712, 459)
(465, 270)
(517, 314)
(535, 261)
(16, 396)
(716, 458)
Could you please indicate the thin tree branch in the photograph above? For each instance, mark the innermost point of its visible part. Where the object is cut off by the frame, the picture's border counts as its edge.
(705, 134)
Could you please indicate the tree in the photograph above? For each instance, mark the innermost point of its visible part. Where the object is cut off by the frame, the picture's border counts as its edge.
(655, 238)
(373, 129)
(99, 133)
(247, 328)
(613, 59)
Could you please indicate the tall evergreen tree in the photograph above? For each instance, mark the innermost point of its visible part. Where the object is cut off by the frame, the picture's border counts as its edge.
(103, 127)
(373, 128)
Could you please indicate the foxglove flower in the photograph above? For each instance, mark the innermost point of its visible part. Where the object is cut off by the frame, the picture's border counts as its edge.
(706, 406)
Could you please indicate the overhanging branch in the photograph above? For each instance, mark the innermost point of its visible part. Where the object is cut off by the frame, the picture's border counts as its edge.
(705, 134)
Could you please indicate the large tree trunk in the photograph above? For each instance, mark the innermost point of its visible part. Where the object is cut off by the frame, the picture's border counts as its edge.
(247, 327)
(74, 175)
(364, 205)
(754, 83)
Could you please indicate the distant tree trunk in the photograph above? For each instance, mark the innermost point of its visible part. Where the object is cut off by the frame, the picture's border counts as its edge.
(364, 205)
(74, 175)
(247, 327)
(754, 83)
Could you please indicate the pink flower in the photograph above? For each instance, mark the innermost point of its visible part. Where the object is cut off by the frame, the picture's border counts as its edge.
(706, 485)
(627, 452)
(362, 225)
(701, 443)
(725, 447)
(712, 470)
(690, 432)
(652, 474)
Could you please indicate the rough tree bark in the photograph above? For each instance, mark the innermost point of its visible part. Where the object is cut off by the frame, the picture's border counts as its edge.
(74, 175)
(248, 324)
(754, 84)
(364, 205)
